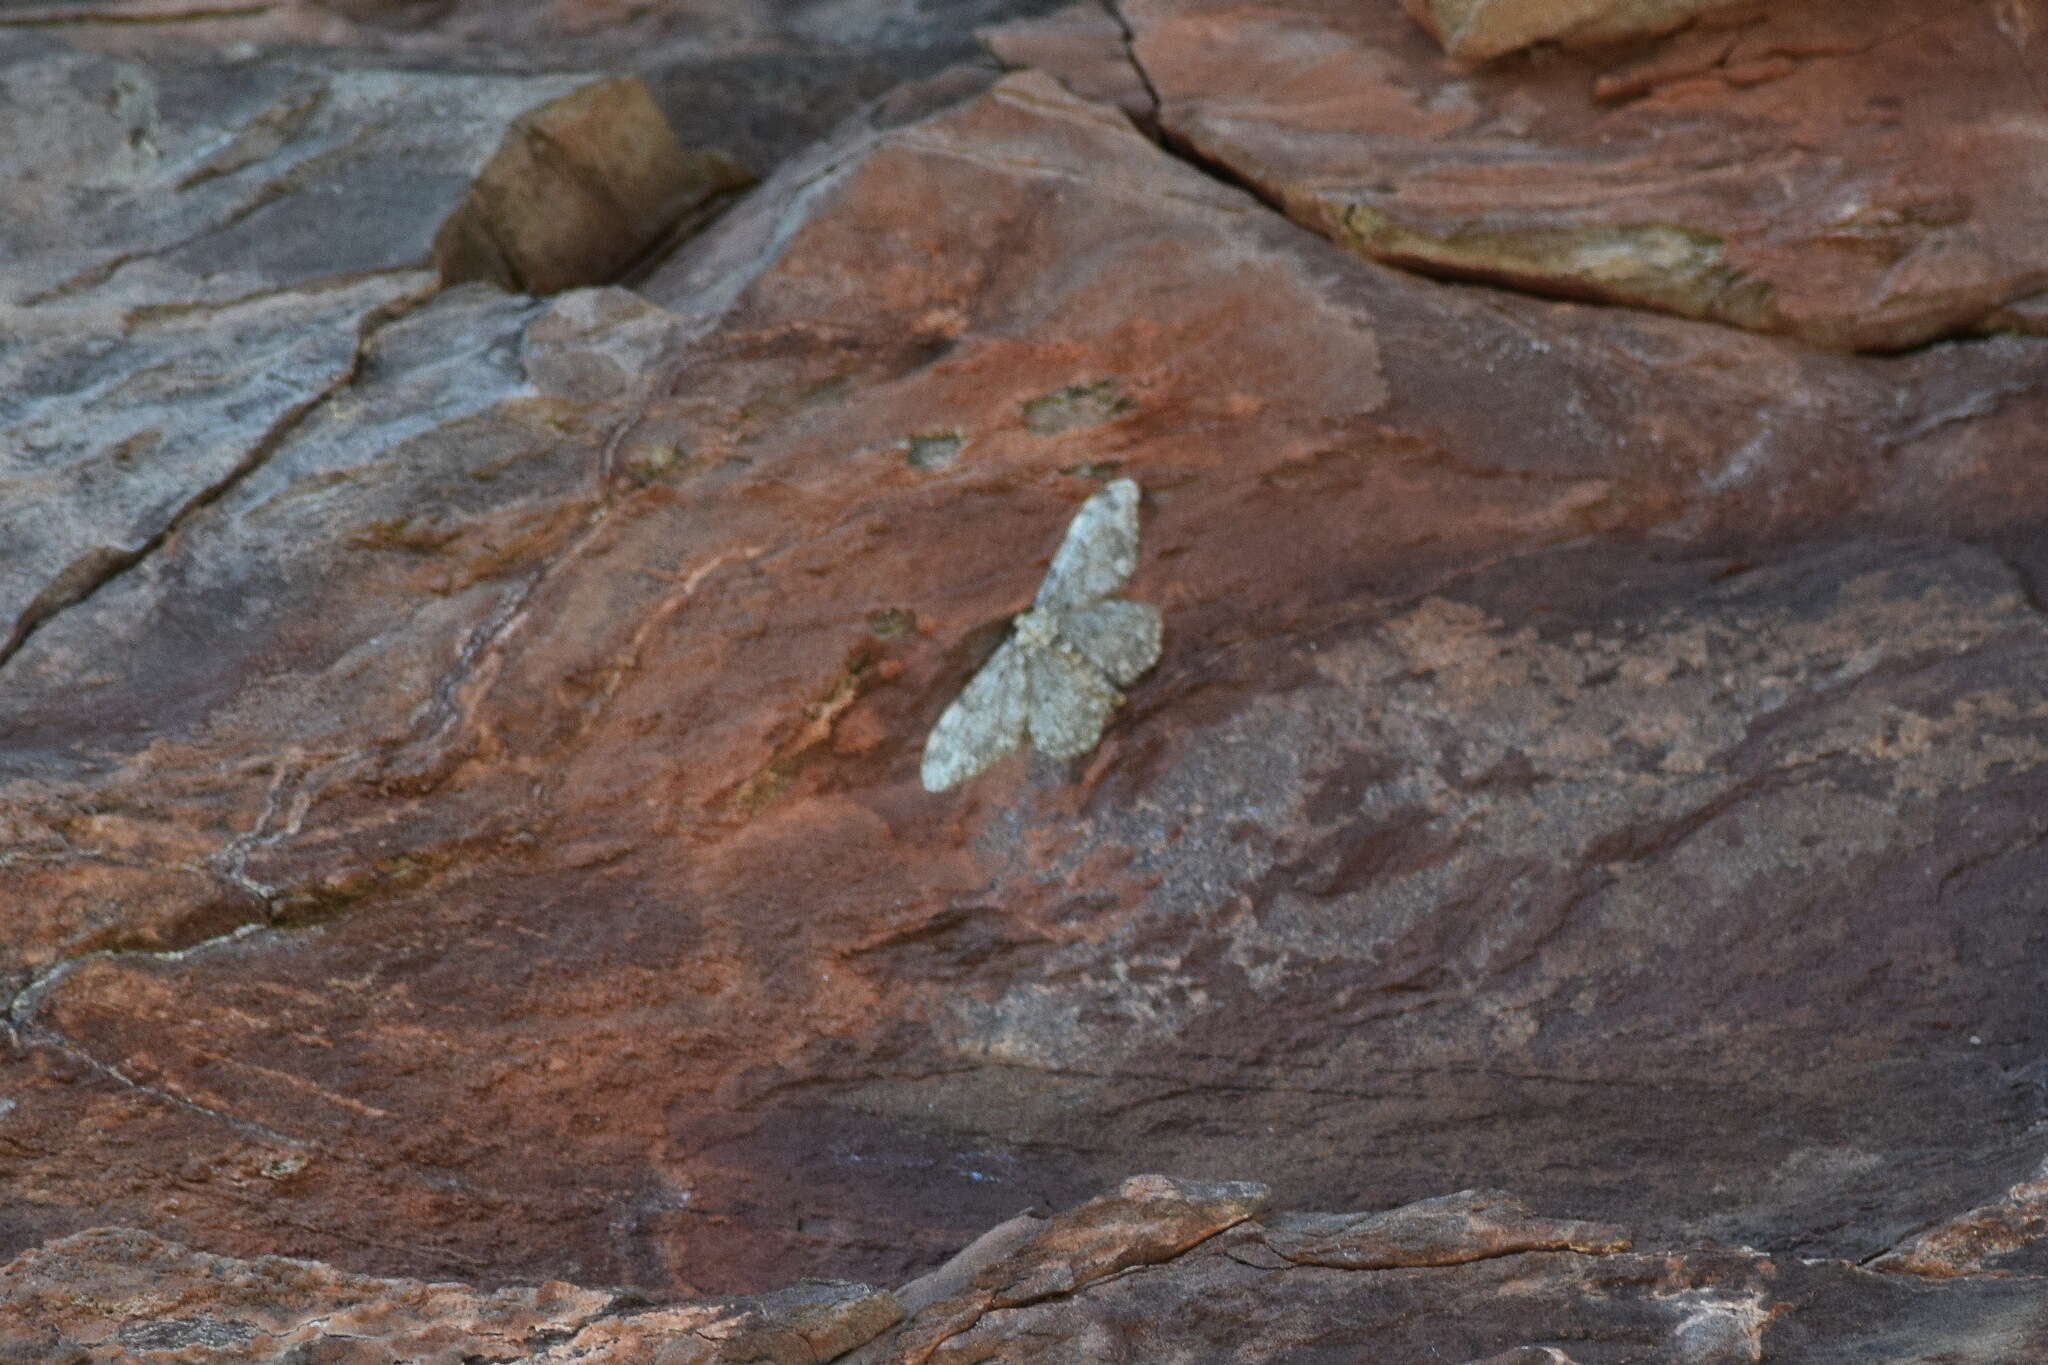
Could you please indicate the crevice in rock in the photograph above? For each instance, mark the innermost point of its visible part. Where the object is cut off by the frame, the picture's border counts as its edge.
(1967, 1245)
(2023, 579)
(692, 222)
(269, 907)
(1159, 131)
(1177, 1087)
(1183, 150)
(1463, 1257)
(1115, 10)
(2017, 848)
(108, 565)
(283, 120)
(1653, 840)
(90, 277)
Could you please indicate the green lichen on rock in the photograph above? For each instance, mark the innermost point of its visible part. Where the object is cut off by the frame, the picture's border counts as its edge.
(647, 462)
(934, 449)
(890, 622)
(1653, 265)
(1077, 405)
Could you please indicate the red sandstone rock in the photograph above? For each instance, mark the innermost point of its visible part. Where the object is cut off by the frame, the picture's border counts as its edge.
(1147, 1220)
(1598, 754)
(1184, 1288)
(1480, 29)
(153, 1300)
(1765, 169)
(1086, 45)
(561, 856)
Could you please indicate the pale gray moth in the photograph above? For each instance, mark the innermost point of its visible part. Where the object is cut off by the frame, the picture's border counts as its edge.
(1056, 677)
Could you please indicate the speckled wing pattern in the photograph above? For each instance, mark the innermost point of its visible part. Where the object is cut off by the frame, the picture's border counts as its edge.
(1056, 677)
(984, 722)
(1099, 553)
(1070, 703)
(1120, 638)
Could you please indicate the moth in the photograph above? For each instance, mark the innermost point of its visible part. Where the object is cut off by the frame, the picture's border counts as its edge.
(1057, 677)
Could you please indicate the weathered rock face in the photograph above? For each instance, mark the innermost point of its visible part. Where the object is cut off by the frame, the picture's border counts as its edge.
(757, 79)
(1179, 1270)
(1762, 168)
(476, 834)
(179, 1305)
(200, 253)
(1479, 29)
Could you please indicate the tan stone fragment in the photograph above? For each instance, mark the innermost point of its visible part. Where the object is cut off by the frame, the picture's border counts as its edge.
(579, 190)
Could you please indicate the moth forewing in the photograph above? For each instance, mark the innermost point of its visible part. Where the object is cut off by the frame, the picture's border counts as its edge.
(986, 721)
(1100, 550)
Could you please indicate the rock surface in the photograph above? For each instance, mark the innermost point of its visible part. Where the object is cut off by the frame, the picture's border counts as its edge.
(1161, 1267)
(472, 834)
(1480, 29)
(1761, 168)
(201, 252)
(175, 1304)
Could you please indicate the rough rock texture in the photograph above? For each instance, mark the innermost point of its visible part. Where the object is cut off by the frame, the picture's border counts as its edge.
(155, 1302)
(758, 79)
(1159, 1270)
(1089, 46)
(199, 254)
(1479, 29)
(1983, 1237)
(1763, 168)
(476, 834)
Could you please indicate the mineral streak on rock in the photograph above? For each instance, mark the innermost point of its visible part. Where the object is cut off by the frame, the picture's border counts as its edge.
(1056, 677)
